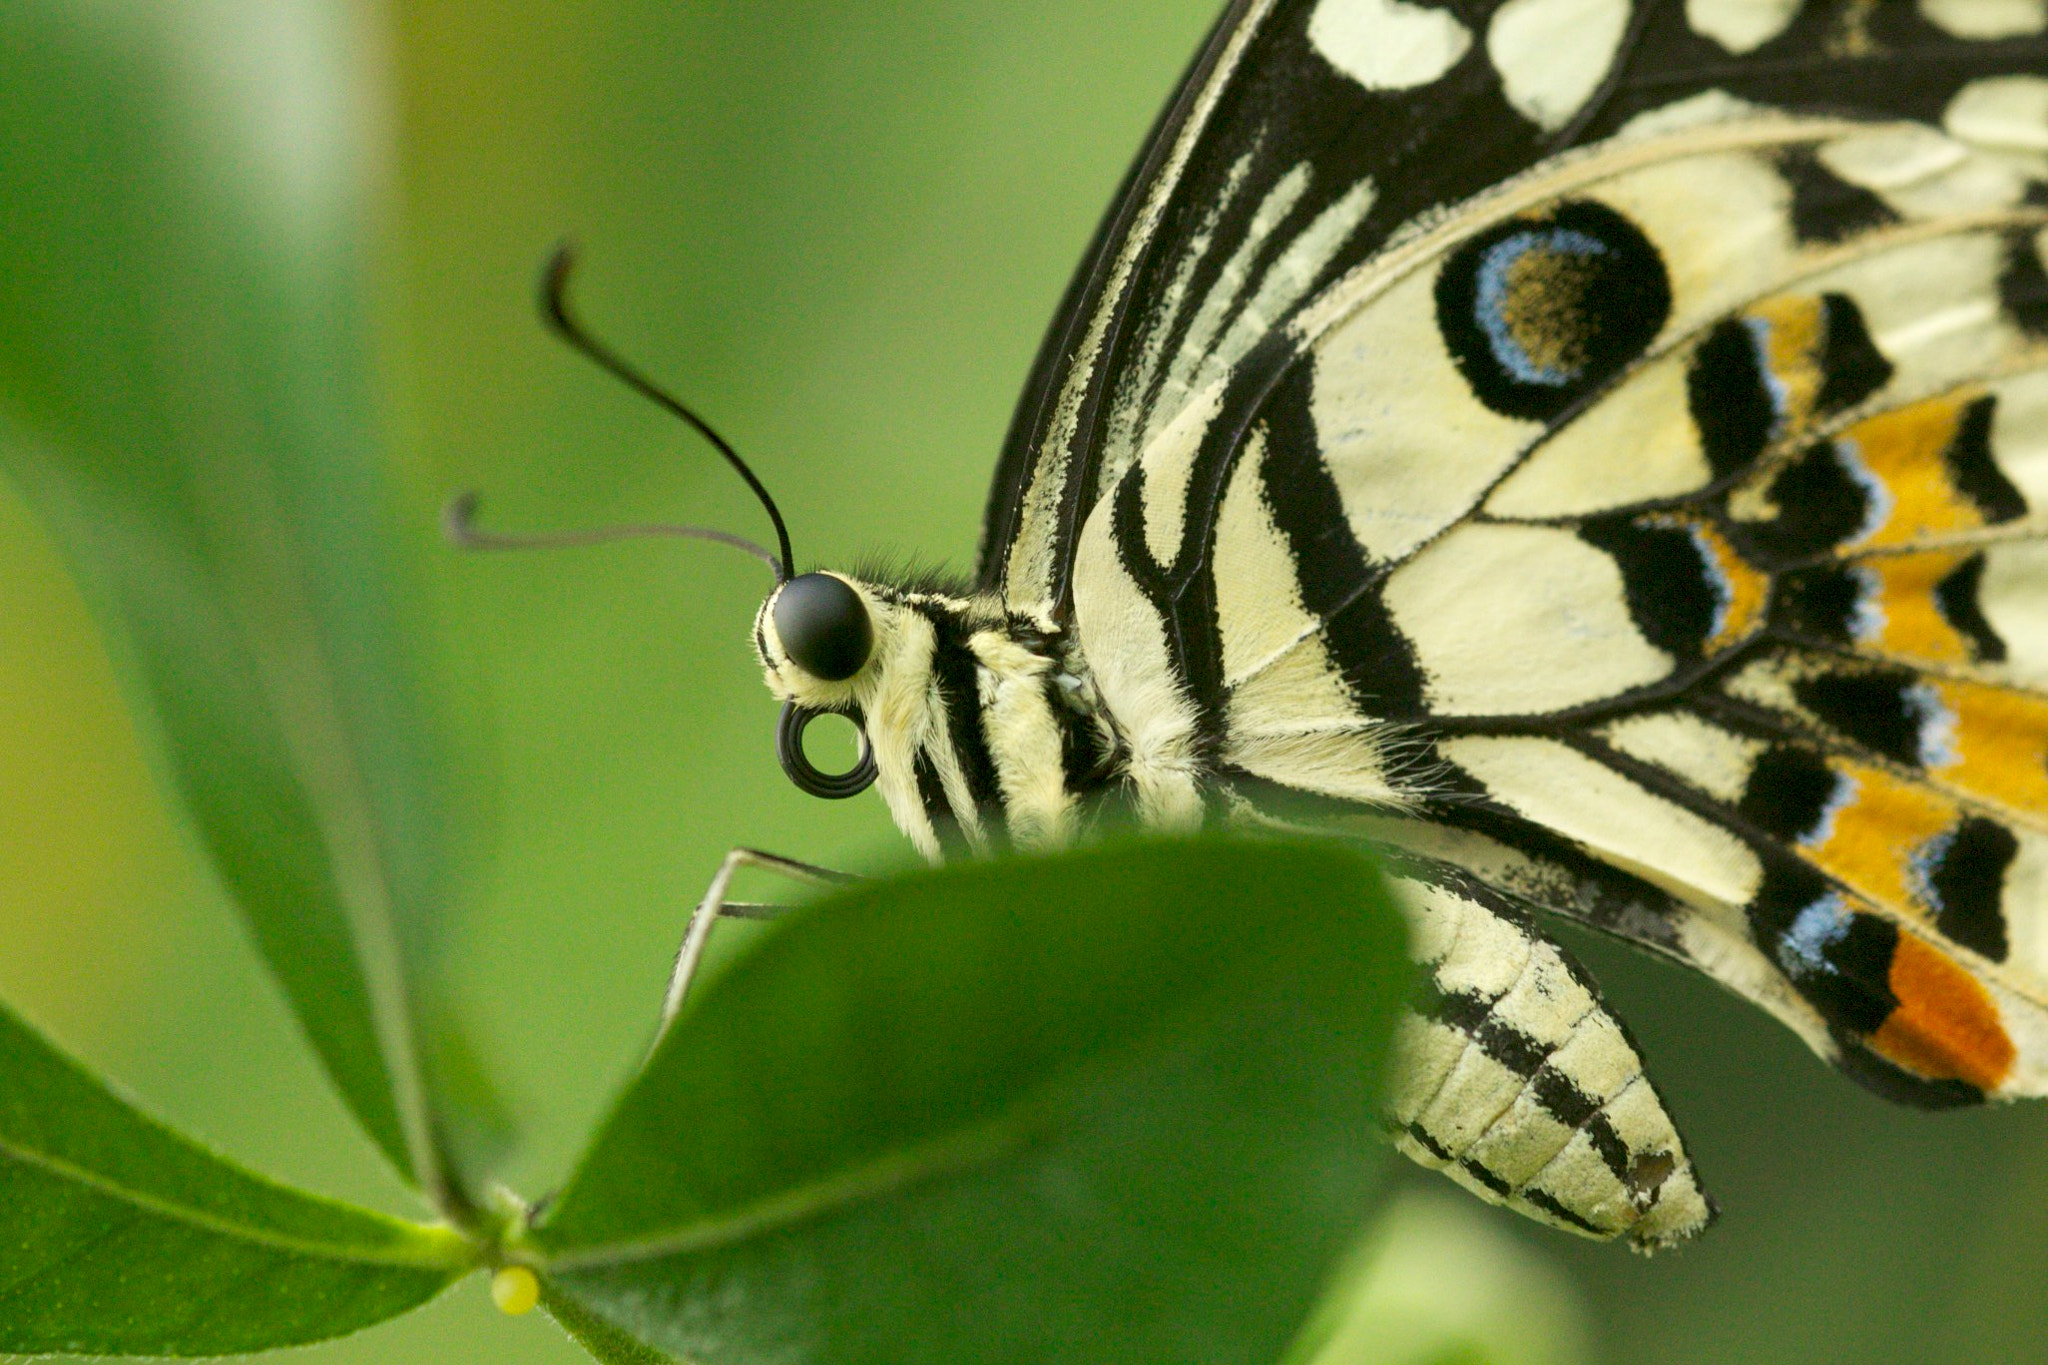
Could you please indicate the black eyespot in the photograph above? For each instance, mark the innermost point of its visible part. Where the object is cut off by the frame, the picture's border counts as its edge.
(1542, 309)
(824, 626)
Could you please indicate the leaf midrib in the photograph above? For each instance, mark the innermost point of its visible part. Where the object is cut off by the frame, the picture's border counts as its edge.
(1009, 1129)
(432, 1248)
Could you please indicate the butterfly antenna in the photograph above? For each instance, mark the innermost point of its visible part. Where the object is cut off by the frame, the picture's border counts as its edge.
(458, 521)
(554, 304)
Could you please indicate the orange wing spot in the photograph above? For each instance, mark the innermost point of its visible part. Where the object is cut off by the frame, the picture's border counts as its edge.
(1749, 591)
(1873, 836)
(1913, 624)
(1903, 451)
(1946, 1026)
(1795, 326)
(2001, 742)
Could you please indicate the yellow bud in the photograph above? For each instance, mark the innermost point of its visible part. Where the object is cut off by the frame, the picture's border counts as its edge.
(515, 1289)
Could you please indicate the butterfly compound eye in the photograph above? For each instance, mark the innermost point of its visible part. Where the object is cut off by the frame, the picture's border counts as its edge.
(824, 626)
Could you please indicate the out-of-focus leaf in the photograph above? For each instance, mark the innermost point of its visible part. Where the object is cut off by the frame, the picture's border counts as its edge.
(117, 1236)
(1443, 1280)
(186, 395)
(603, 1340)
(1116, 1105)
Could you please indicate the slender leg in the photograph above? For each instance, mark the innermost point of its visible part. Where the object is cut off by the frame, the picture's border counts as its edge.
(715, 905)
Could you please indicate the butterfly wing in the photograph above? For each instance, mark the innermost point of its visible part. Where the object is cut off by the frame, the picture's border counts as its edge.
(1666, 548)
(1309, 134)
(1271, 171)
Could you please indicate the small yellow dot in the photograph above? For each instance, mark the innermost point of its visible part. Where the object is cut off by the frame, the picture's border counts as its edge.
(515, 1289)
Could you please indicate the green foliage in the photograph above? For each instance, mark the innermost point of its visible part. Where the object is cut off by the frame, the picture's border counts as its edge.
(604, 1341)
(994, 1111)
(186, 395)
(1001, 1107)
(1124, 1077)
(1439, 1281)
(119, 1237)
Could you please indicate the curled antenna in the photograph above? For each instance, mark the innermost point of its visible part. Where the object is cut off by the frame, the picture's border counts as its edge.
(554, 302)
(458, 522)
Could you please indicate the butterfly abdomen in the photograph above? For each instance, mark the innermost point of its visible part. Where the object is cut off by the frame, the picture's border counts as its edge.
(1514, 1080)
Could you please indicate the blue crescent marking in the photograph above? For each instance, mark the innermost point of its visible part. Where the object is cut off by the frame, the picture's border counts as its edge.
(1815, 929)
(1494, 293)
(1937, 726)
(1877, 498)
(1838, 800)
(1925, 861)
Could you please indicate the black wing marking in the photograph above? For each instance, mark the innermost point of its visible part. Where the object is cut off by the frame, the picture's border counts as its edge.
(1263, 101)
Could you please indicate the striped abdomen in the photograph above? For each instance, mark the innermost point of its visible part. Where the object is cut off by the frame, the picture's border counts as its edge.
(1515, 1081)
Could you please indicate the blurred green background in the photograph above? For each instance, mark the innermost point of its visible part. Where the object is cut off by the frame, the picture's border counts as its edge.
(839, 230)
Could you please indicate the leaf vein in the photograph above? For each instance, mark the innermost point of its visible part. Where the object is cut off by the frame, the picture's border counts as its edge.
(433, 1251)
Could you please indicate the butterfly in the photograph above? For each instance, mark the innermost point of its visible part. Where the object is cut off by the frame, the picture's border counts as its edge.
(1591, 451)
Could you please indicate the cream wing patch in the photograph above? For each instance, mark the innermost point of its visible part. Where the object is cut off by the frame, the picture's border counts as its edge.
(1716, 761)
(2007, 116)
(1920, 173)
(1932, 308)
(1125, 640)
(1536, 595)
(2025, 889)
(1555, 786)
(2019, 434)
(1258, 604)
(1983, 19)
(1289, 719)
(2013, 595)
(1741, 25)
(1388, 44)
(1168, 465)
(1553, 54)
(1405, 442)
(2006, 112)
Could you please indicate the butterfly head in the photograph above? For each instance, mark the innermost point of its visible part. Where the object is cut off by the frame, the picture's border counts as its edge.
(826, 643)
(900, 663)
(814, 631)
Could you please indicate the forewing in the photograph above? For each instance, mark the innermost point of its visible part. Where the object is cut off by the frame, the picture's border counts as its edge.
(1311, 134)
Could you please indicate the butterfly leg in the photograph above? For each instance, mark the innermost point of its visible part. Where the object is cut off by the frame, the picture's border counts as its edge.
(715, 906)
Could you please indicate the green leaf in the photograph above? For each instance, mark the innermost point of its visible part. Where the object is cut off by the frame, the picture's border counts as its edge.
(119, 1237)
(1116, 1105)
(1445, 1280)
(187, 395)
(604, 1341)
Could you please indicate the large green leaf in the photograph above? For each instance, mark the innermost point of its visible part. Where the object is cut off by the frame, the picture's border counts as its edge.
(186, 393)
(604, 1341)
(117, 1236)
(1116, 1105)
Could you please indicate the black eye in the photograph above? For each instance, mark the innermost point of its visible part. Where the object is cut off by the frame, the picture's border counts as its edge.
(824, 626)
